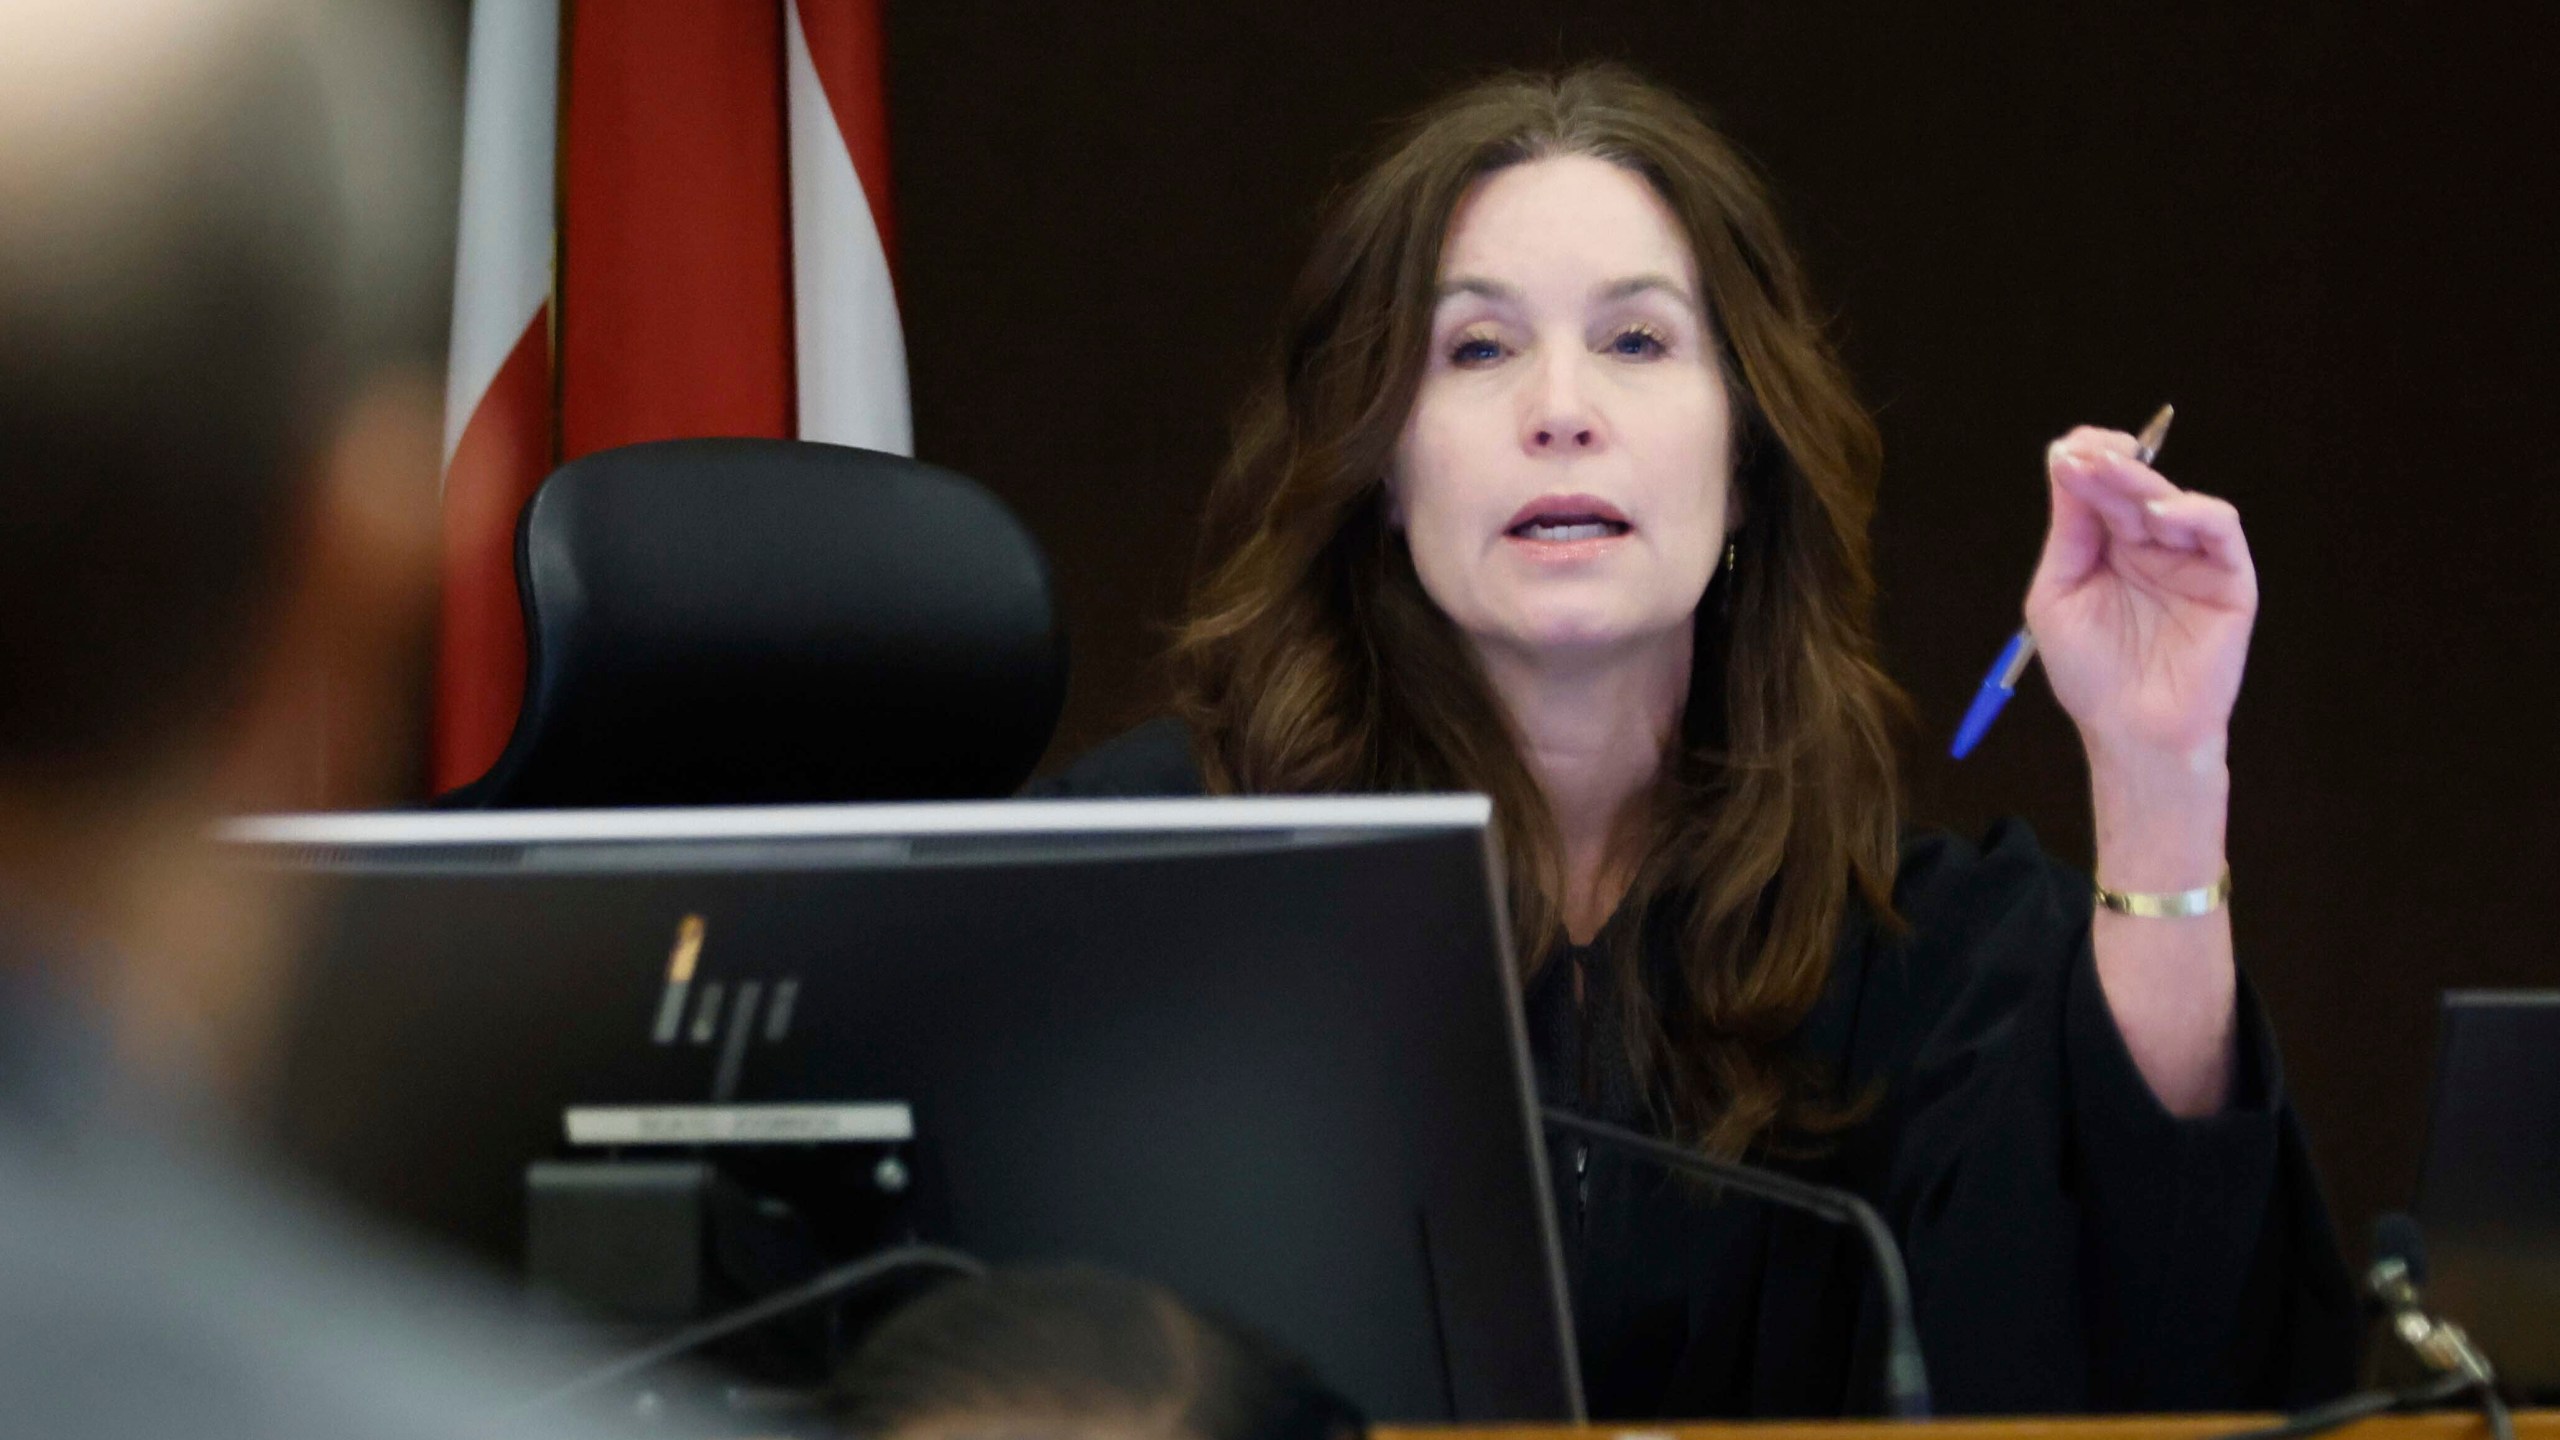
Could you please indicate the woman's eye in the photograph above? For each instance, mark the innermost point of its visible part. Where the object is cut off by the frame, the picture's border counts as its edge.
(1476, 350)
(1636, 343)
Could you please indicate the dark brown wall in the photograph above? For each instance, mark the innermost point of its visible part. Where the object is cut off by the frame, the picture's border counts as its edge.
(2323, 230)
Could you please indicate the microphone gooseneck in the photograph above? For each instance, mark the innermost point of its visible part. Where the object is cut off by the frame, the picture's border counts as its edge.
(2396, 1280)
(2457, 1368)
(1906, 1375)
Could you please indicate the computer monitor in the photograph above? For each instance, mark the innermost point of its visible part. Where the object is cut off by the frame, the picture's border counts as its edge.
(1268, 1052)
(2489, 1190)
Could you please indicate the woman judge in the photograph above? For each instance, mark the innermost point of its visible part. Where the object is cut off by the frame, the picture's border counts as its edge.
(1557, 492)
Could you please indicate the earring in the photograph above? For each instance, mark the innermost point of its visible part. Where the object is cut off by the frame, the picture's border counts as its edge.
(1732, 557)
(1732, 577)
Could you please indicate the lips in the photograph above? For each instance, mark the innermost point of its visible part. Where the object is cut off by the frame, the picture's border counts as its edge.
(1566, 520)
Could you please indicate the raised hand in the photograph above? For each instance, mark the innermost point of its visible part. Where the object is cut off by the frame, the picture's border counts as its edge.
(2141, 605)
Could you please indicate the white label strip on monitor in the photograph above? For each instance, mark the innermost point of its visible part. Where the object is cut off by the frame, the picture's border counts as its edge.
(996, 818)
(870, 1120)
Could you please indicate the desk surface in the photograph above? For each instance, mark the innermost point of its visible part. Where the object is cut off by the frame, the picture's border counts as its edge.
(2450, 1425)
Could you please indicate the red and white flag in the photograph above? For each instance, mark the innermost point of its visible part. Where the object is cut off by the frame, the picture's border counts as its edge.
(697, 242)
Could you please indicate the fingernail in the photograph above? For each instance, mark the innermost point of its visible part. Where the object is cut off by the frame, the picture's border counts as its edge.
(2156, 507)
(2055, 454)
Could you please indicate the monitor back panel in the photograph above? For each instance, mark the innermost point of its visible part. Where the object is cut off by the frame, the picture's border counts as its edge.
(2489, 1191)
(1285, 1078)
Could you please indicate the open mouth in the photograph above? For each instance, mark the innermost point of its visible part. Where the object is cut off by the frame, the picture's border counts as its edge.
(1580, 527)
(1563, 519)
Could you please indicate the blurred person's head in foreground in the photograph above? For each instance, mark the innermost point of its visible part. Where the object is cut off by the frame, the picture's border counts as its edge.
(217, 463)
(1076, 1353)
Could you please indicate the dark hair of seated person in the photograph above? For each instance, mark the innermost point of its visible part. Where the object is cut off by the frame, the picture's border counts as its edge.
(198, 279)
(1076, 1351)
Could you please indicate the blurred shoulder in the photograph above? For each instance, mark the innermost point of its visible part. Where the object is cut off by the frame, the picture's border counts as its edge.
(167, 1288)
(1155, 759)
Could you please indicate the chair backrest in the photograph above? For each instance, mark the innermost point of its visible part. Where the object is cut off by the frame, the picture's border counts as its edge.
(737, 621)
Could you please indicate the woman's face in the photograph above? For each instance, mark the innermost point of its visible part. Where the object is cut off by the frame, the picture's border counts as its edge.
(1562, 480)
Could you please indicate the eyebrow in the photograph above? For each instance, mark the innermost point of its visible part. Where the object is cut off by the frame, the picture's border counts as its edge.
(1638, 284)
(1609, 290)
(1470, 285)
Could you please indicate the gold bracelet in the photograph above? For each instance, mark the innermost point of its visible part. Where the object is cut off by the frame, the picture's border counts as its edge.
(2171, 905)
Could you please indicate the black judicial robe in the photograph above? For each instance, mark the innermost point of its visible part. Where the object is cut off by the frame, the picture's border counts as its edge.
(2072, 1245)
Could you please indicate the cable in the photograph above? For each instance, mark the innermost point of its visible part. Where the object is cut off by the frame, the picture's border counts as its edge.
(825, 1285)
(2493, 1407)
(2364, 1405)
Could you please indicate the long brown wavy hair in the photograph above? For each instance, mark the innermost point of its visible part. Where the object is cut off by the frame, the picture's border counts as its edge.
(1311, 659)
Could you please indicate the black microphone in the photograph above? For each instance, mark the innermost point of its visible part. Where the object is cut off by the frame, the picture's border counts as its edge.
(2396, 1237)
(2399, 1269)
(2398, 1275)
(1906, 1376)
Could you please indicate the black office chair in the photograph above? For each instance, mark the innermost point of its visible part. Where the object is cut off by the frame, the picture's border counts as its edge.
(769, 621)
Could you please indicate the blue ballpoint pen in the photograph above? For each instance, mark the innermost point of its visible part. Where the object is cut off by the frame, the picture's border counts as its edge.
(2002, 682)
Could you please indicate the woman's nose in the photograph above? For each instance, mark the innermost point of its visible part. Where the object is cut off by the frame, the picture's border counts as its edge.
(1560, 416)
